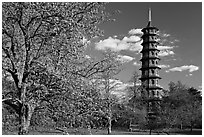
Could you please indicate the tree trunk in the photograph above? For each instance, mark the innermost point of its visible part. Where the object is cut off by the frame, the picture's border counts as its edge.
(150, 131)
(25, 117)
(191, 126)
(181, 126)
(109, 125)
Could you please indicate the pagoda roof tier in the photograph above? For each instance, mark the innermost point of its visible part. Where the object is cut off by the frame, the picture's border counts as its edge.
(149, 67)
(149, 27)
(150, 49)
(149, 57)
(152, 41)
(149, 34)
(150, 77)
(154, 87)
(151, 99)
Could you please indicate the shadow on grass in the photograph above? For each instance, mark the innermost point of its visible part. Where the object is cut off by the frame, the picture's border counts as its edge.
(84, 131)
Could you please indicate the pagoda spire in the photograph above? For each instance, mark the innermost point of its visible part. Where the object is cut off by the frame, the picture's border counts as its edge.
(150, 18)
(150, 15)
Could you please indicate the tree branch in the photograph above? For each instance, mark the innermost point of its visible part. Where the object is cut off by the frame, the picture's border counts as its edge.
(14, 76)
(16, 104)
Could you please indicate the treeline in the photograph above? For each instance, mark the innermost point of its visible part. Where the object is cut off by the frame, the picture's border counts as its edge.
(179, 108)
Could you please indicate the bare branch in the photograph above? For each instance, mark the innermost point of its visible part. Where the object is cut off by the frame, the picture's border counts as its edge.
(16, 104)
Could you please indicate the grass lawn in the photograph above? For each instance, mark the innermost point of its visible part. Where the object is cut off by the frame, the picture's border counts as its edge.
(83, 131)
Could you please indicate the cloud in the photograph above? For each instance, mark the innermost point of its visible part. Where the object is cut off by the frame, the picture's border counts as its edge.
(165, 47)
(131, 39)
(188, 75)
(164, 66)
(135, 32)
(124, 58)
(87, 56)
(200, 87)
(167, 44)
(163, 34)
(110, 43)
(136, 64)
(165, 53)
(118, 85)
(190, 68)
(132, 43)
(166, 35)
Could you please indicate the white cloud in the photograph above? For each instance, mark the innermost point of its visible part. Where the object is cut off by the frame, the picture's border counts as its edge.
(118, 85)
(200, 87)
(87, 56)
(163, 34)
(166, 35)
(132, 43)
(168, 44)
(165, 47)
(110, 43)
(131, 39)
(124, 58)
(135, 32)
(166, 53)
(188, 75)
(136, 64)
(164, 66)
(190, 68)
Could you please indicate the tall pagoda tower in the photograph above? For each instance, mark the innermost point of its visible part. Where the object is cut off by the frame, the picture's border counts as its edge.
(150, 77)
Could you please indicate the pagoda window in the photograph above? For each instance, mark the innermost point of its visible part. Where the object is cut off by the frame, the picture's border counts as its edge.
(156, 62)
(153, 53)
(157, 81)
(153, 62)
(152, 71)
(157, 93)
(152, 37)
(152, 45)
(153, 92)
(153, 82)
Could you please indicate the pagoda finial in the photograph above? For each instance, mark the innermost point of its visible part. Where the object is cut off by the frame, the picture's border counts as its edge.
(150, 15)
(150, 18)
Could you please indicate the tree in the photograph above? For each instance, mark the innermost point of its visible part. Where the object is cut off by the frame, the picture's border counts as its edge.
(193, 107)
(181, 107)
(134, 79)
(40, 41)
(109, 85)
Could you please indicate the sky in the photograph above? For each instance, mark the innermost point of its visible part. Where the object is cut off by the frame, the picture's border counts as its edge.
(180, 31)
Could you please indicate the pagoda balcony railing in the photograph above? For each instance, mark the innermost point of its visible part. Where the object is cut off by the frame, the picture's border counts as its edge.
(155, 86)
(154, 98)
(150, 56)
(150, 40)
(152, 85)
(150, 75)
(146, 49)
(150, 66)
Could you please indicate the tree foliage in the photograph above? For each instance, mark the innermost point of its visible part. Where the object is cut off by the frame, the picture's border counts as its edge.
(182, 107)
(43, 46)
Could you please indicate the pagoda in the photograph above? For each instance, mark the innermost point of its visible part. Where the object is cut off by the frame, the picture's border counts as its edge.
(149, 76)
